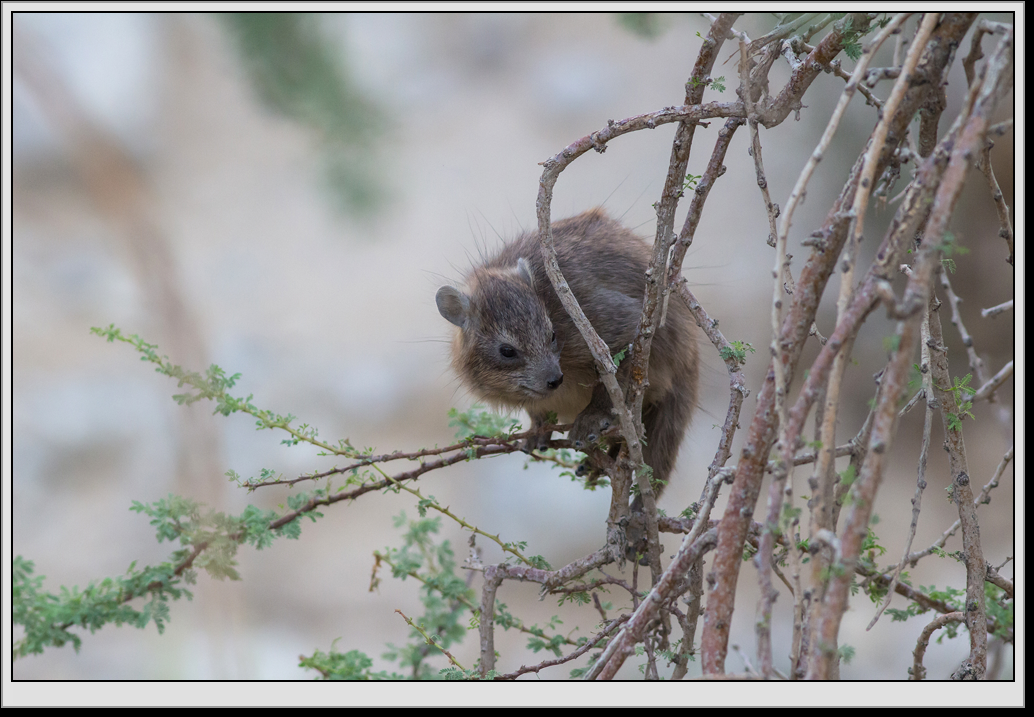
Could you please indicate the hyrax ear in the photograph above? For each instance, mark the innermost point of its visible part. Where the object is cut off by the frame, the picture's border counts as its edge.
(525, 272)
(453, 304)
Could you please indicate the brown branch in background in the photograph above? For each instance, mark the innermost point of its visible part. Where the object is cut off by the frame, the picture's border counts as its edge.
(995, 579)
(549, 579)
(924, 451)
(1005, 231)
(796, 325)
(737, 383)
(962, 495)
(486, 620)
(623, 646)
(763, 560)
(775, 110)
(931, 110)
(917, 671)
(826, 622)
(791, 432)
(679, 285)
(976, 364)
(591, 644)
(982, 101)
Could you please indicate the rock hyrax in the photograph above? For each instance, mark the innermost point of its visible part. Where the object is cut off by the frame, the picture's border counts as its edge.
(517, 348)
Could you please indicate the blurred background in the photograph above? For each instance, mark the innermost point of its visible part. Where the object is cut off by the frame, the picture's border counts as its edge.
(282, 196)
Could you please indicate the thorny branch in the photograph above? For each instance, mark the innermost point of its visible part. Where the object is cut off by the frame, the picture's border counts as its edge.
(917, 89)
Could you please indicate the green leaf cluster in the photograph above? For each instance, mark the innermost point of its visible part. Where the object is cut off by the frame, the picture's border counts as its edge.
(736, 350)
(47, 618)
(445, 596)
(959, 390)
(480, 422)
(352, 665)
(998, 606)
(208, 541)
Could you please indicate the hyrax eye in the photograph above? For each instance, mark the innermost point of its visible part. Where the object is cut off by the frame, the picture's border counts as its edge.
(507, 351)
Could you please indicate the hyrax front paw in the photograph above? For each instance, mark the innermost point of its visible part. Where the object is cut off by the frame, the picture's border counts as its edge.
(538, 437)
(589, 427)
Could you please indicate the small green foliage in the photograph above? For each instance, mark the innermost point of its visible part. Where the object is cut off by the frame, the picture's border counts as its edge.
(853, 50)
(847, 478)
(444, 593)
(691, 182)
(352, 665)
(553, 644)
(644, 24)
(717, 84)
(208, 540)
(870, 550)
(915, 378)
(737, 350)
(959, 390)
(620, 356)
(846, 653)
(955, 419)
(790, 513)
(577, 598)
(949, 248)
(537, 561)
(479, 422)
(998, 607)
(852, 46)
(749, 551)
(455, 673)
(214, 385)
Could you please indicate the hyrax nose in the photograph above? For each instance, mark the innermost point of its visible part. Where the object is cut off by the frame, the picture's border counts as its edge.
(554, 384)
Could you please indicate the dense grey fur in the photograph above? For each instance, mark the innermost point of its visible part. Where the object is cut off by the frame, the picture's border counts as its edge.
(518, 348)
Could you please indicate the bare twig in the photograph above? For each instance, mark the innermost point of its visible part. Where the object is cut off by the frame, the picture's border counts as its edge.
(984, 497)
(987, 390)
(995, 310)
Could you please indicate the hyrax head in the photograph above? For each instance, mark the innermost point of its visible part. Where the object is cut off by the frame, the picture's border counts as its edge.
(506, 350)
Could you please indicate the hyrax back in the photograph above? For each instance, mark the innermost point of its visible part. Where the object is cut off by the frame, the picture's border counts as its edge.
(517, 347)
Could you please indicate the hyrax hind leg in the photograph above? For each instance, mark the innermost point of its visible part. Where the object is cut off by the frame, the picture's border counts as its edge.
(664, 421)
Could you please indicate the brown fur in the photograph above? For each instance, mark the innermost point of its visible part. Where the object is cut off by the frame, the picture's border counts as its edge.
(505, 350)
